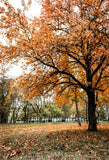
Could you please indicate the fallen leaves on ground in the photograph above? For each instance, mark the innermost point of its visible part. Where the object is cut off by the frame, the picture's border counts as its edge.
(56, 141)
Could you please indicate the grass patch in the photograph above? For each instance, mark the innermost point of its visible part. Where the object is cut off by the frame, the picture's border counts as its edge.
(57, 141)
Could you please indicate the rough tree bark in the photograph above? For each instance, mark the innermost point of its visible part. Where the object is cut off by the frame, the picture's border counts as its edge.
(91, 111)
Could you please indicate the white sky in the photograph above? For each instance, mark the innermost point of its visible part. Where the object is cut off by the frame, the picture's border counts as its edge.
(15, 71)
(34, 11)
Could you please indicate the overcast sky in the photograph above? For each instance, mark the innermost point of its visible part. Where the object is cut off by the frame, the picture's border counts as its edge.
(34, 11)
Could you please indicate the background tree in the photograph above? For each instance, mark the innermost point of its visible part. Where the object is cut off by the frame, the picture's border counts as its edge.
(55, 111)
(5, 103)
(67, 111)
(4, 106)
(68, 97)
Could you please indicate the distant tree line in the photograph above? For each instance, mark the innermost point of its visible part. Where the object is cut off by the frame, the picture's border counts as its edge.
(13, 109)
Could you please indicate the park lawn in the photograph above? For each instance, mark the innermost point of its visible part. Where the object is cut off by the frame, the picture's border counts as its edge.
(53, 142)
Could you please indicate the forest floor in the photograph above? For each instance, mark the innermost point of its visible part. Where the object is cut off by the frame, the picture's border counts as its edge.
(55, 141)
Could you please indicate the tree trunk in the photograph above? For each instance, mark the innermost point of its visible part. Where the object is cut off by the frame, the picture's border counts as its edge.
(91, 111)
(40, 119)
(77, 111)
(13, 116)
(3, 118)
(86, 112)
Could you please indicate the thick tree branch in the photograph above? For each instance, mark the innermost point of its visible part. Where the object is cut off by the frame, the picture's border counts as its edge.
(99, 65)
(99, 77)
(57, 71)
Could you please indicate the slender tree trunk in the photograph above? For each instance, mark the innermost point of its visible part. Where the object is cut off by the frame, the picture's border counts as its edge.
(77, 111)
(13, 116)
(25, 114)
(91, 111)
(40, 119)
(86, 112)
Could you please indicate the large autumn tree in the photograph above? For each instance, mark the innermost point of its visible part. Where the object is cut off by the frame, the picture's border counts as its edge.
(68, 47)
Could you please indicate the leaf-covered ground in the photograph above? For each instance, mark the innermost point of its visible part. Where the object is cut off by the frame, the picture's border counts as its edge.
(53, 142)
